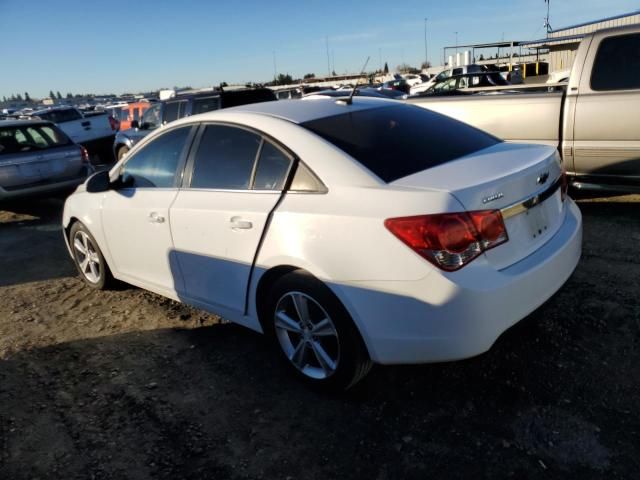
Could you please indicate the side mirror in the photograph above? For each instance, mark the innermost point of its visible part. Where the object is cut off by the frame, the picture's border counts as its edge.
(99, 182)
(135, 124)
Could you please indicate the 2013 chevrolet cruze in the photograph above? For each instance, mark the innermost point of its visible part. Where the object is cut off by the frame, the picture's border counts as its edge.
(349, 232)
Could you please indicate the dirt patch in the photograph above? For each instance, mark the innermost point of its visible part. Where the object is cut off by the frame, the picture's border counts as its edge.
(127, 384)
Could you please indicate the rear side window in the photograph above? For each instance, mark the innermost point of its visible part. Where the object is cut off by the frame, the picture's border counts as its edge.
(225, 158)
(201, 105)
(31, 138)
(617, 64)
(397, 141)
(155, 166)
(272, 168)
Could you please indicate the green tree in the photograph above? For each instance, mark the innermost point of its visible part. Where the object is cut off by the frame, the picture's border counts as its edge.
(481, 57)
(386, 68)
(309, 75)
(19, 97)
(4, 99)
(69, 96)
(27, 98)
(52, 95)
(425, 65)
(283, 79)
(58, 95)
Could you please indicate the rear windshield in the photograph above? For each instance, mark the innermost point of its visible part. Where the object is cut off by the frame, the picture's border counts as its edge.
(31, 138)
(401, 140)
(245, 97)
(60, 116)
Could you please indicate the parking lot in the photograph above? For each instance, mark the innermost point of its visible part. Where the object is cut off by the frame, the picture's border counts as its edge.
(127, 384)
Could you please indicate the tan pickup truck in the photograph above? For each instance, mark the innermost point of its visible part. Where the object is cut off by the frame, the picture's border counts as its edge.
(594, 121)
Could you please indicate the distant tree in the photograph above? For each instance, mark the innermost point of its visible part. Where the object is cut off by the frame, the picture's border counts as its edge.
(4, 99)
(386, 68)
(282, 79)
(19, 97)
(58, 95)
(481, 57)
(69, 96)
(77, 95)
(309, 75)
(425, 65)
(52, 95)
(223, 84)
(12, 98)
(27, 98)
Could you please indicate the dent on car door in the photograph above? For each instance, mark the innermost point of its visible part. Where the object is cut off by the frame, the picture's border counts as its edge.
(135, 214)
(217, 221)
(606, 134)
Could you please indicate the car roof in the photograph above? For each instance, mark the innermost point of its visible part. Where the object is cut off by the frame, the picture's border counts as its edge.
(309, 108)
(19, 123)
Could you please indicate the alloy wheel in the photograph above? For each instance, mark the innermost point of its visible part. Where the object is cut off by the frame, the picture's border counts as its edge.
(87, 256)
(307, 335)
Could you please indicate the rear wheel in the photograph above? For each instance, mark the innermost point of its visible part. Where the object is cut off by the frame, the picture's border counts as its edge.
(315, 334)
(88, 258)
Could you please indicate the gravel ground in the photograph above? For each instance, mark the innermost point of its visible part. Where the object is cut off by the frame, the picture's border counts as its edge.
(126, 384)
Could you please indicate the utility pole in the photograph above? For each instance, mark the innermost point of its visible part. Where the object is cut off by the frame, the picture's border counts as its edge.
(380, 57)
(275, 69)
(426, 51)
(456, 41)
(547, 25)
(328, 58)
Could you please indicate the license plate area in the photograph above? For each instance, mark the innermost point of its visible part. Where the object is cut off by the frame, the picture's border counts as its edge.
(537, 219)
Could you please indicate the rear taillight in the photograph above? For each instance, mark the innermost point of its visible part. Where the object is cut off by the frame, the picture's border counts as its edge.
(115, 124)
(450, 240)
(84, 154)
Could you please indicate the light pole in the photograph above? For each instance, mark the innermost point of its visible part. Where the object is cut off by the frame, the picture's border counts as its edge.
(456, 41)
(275, 69)
(426, 52)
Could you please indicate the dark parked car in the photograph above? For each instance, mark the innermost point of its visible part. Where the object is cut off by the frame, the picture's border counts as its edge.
(457, 84)
(37, 157)
(181, 106)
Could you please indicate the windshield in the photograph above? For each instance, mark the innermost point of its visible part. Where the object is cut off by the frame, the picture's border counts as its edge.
(396, 141)
(31, 138)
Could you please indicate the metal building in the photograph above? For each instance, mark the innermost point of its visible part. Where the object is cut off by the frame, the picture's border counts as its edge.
(563, 43)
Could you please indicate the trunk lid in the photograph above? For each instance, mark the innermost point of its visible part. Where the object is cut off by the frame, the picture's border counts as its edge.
(499, 177)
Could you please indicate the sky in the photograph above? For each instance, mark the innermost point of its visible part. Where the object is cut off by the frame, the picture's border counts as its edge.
(116, 46)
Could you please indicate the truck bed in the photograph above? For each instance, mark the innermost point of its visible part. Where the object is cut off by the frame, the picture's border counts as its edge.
(514, 117)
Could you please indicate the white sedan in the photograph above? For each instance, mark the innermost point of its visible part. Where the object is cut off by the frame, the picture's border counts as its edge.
(351, 233)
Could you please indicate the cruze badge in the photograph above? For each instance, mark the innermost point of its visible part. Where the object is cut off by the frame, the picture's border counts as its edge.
(493, 197)
(542, 178)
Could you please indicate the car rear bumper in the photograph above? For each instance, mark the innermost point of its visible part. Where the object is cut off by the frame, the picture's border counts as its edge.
(451, 317)
(45, 186)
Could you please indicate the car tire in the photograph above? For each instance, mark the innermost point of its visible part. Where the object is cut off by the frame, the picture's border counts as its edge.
(321, 345)
(122, 151)
(88, 258)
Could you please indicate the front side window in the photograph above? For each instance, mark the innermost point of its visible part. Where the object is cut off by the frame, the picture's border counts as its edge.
(156, 164)
(617, 64)
(151, 118)
(170, 112)
(33, 138)
(225, 158)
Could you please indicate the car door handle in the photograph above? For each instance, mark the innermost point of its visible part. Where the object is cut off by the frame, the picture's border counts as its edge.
(238, 224)
(154, 217)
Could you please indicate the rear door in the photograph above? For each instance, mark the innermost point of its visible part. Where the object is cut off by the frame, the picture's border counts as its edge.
(607, 115)
(217, 221)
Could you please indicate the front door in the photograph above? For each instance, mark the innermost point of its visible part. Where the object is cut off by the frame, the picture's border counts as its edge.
(607, 115)
(135, 215)
(218, 221)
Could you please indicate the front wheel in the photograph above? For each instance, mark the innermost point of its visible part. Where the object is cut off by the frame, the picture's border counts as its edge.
(88, 258)
(122, 151)
(315, 333)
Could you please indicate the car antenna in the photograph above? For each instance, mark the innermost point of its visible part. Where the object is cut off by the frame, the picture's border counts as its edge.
(349, 100)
